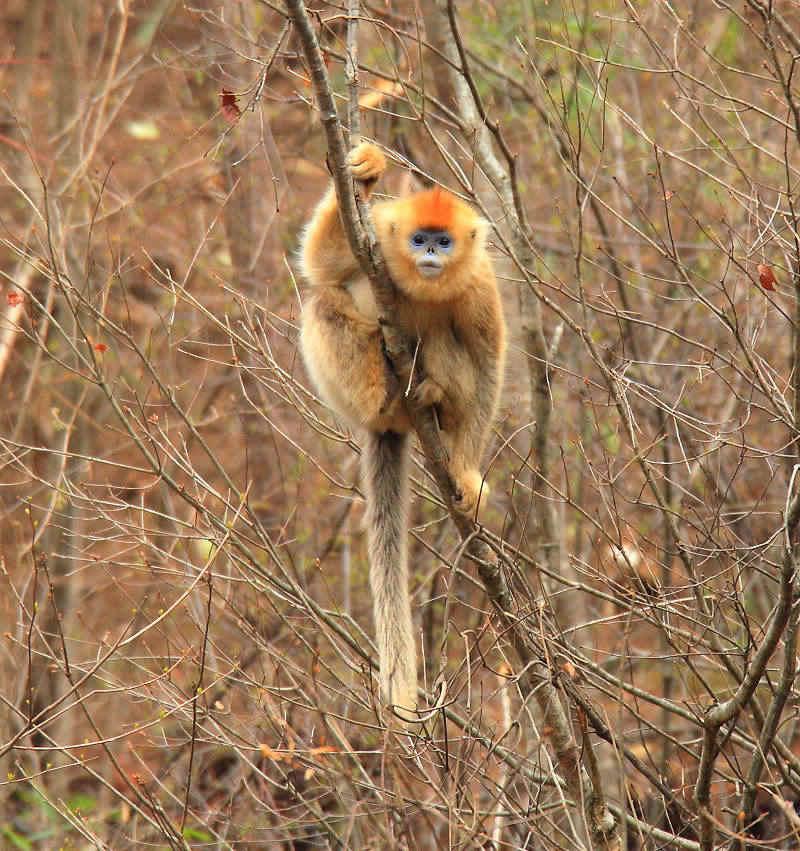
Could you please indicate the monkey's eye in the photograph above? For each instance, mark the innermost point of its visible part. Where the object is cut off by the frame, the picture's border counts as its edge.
(419, 239)
(445, 241)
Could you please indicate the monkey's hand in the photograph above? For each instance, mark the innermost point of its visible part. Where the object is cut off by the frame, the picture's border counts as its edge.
(428, 392)
(469, 487)
(367, 163)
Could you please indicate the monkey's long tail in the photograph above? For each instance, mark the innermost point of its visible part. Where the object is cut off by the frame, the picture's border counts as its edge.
(385, 471)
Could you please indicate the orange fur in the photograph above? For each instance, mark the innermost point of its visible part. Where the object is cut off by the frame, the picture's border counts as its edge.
(435, 208)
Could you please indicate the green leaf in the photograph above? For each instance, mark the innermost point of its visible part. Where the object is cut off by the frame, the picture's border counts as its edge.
(199, 835)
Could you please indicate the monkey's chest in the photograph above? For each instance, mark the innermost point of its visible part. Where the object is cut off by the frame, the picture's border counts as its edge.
(441, 353)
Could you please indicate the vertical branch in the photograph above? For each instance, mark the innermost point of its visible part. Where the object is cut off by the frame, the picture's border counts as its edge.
(604, 829)
(351, 72)
(477, 127)
(362, 240)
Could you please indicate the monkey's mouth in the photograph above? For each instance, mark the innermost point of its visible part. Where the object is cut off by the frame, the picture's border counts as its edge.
(429, 268)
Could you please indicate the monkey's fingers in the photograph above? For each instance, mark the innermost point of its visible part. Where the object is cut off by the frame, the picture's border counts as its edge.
(366, 162)
(429, 392)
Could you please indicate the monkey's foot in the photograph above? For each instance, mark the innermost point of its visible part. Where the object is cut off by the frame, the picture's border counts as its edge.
(469, 487)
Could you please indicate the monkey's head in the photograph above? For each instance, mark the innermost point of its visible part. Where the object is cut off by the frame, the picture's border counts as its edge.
(434, 244)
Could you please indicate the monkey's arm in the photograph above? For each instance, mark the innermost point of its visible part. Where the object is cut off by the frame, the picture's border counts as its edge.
(325, 254)
(480, 330)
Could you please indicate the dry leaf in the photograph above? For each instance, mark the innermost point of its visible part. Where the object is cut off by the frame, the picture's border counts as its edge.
(766, 277)
(230, 109)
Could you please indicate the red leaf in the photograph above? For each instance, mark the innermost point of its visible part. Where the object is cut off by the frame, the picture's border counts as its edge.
(100, 347)
(230, 110)
(766, 277)
(14, 298)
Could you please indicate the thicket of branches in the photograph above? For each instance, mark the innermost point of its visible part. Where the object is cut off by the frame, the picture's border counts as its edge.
(610, 658)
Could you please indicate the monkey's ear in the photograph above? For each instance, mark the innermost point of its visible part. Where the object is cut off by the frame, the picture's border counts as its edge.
(392, 228)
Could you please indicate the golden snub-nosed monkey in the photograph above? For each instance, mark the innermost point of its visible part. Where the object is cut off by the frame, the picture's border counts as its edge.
(435, 249)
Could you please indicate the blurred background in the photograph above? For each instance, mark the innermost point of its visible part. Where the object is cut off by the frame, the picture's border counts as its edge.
(186, 657)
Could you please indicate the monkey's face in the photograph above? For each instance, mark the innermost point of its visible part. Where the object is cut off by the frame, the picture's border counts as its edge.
(430, 249)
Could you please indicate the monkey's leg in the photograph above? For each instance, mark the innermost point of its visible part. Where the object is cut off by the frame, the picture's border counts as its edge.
(463, 455)
(344, 354)
(385, 472)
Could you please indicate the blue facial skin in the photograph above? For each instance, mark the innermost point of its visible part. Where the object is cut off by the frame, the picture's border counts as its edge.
(430, 248)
